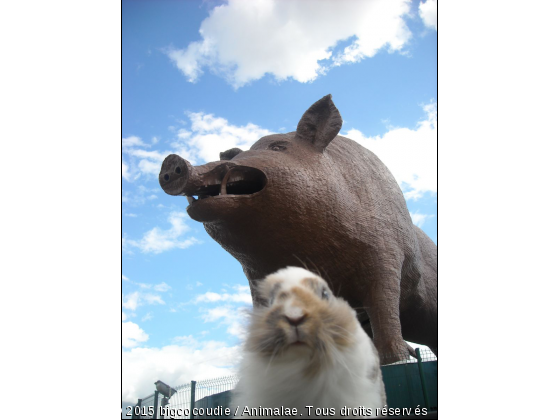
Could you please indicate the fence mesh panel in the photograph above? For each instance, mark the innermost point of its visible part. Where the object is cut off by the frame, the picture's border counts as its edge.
(207, 387)
(214, 386)
(180, 400)
(144, 409)
(399, 359)
(402, 384)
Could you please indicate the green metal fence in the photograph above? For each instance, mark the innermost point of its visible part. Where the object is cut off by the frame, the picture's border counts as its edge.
(146, 408)
(409, 383)
(412, 382)
(209, 394)
(213, 406)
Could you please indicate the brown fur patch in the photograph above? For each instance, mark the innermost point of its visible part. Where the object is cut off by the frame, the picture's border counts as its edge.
(312, 283)
(338, 323)
(264, 332)
(274, 316)
(308, 299)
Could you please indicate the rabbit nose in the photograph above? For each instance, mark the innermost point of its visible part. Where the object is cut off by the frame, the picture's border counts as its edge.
(295, 321)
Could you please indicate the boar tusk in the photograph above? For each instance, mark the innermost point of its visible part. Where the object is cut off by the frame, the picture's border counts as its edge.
(223, 189)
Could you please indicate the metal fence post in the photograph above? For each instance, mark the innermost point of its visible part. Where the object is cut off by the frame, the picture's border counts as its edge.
(138, 404)
(193, 388)
(156, 394)
(422, 379)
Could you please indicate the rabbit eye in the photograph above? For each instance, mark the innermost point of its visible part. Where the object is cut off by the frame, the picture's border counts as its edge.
(272, 294)
(325, 294)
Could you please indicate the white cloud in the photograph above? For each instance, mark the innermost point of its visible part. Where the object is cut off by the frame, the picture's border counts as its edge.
(132, 141)
(154, 155)
(211, 135)
(123, 317)
(140, 195)
(410, 155)
(244, 40)
(242, 296)
(158, 240)
(148, 167)
(147, 163)
(125, 172)
(174, 365)
(147, 317)
(152, 299)
(234, 318)
(428, 13)
(207, 137)
(125, 278)
(131, 301)
(162, 287)
(132, 335)
(142, 162)
(208, 297)
(418, 218)
(150, 161)
(135, 299)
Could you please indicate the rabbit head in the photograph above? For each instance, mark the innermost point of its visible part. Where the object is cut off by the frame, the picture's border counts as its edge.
(303, 319)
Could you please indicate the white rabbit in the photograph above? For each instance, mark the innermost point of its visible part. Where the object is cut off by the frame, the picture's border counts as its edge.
(306, 348)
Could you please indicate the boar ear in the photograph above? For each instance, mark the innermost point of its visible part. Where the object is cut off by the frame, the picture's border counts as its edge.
(320, 124)
(230, 154)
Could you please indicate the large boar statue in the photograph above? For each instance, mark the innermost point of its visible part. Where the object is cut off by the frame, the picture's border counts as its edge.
(317, 199)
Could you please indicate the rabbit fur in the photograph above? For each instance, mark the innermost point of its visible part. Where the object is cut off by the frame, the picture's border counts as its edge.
(306, 348)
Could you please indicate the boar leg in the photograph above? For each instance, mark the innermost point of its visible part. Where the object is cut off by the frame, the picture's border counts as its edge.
(382, 306)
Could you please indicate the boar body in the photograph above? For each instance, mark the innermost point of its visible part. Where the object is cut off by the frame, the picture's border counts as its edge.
(315, 199)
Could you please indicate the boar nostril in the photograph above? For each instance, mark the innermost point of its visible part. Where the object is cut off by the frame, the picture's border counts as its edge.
(177, 170)
(295, 321)
(166, 177)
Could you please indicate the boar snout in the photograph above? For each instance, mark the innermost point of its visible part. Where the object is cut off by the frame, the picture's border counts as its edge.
(174, 175)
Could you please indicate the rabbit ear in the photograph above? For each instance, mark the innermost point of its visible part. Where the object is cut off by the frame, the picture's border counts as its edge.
(267, 287)
(261, 290)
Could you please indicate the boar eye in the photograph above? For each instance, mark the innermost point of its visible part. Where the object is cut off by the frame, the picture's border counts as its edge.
(325, 294)
(277, 147)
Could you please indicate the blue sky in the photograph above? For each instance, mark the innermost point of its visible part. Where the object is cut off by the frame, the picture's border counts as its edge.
(201, 77)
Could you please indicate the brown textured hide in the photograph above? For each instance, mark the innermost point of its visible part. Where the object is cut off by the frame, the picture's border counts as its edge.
(314, 198)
